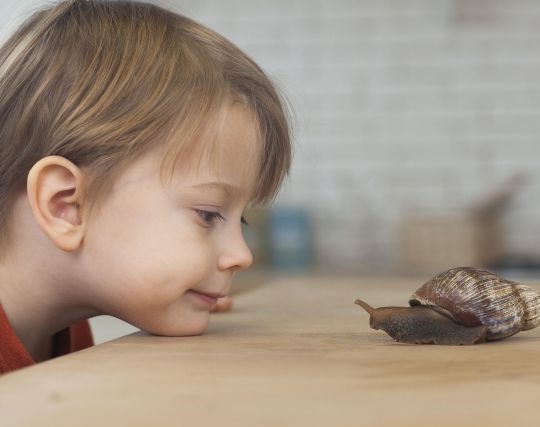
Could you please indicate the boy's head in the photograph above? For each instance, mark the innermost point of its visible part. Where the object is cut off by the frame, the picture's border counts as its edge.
(102, 82)
(98, 95)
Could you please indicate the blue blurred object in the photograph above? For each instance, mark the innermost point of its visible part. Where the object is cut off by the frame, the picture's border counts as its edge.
(290, 239)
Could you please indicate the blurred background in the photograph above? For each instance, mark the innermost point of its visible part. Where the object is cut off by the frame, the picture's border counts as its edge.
(417, 131)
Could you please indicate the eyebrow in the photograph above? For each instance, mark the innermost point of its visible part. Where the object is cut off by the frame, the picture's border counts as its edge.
(230, 189)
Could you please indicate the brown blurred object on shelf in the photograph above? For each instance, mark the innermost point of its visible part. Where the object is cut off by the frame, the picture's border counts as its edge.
(434, 242)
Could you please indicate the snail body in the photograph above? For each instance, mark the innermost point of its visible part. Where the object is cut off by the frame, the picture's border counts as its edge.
(422, 325)
(460, 306)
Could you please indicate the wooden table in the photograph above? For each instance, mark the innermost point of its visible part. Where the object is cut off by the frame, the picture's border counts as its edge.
(295, 352)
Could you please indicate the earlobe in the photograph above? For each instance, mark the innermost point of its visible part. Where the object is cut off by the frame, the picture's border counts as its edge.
(53, 190)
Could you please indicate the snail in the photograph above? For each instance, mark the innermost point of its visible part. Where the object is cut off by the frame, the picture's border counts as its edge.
(461, 306)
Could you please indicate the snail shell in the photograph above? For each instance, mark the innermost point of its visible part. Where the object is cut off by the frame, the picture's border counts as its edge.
(475, 297)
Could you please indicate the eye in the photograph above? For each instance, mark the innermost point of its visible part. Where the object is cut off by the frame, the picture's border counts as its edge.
(209, 217)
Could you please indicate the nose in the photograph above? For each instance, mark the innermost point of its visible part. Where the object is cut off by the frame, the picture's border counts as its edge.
(235, 254)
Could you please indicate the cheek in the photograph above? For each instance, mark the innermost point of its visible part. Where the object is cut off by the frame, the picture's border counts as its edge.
(147, 262)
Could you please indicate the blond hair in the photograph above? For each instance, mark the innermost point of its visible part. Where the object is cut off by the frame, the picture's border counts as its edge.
(101, 82)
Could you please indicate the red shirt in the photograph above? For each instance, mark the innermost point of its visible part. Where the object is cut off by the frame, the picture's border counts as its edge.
(14, 356)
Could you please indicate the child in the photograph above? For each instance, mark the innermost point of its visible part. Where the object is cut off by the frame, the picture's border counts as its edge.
(131, 141)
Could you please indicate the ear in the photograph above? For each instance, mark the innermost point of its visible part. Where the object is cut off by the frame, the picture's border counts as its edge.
(53, 189)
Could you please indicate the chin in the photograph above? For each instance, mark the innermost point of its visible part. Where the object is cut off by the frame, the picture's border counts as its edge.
(192, 331)
(187, 328)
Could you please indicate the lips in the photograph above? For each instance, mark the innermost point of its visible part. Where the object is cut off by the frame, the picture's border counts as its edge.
(206, 297)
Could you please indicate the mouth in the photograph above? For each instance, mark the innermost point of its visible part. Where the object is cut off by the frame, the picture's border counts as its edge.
(206, 297)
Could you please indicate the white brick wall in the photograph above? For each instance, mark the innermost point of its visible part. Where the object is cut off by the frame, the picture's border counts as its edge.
(400, 104)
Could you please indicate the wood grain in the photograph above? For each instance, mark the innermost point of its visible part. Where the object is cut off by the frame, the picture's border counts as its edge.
(294, 352)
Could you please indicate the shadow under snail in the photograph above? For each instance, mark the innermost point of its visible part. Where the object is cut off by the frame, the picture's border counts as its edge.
(461, 306)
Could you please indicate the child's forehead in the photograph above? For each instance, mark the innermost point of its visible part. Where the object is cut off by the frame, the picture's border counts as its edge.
(231, 175)
(227, 153)
(225, 157)
(228, 144)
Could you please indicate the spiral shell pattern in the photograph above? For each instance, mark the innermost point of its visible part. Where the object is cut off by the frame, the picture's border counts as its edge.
(474, 297)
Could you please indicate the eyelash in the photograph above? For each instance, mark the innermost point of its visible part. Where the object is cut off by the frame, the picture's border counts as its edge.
(210, 217)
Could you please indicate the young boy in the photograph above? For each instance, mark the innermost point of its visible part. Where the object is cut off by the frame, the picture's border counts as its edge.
(131, 141)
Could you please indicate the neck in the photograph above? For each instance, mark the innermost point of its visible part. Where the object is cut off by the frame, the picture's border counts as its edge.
(38, 285)
(38, 304)
(35, 310)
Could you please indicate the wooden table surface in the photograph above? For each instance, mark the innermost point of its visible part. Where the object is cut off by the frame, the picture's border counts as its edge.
(294, 352)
